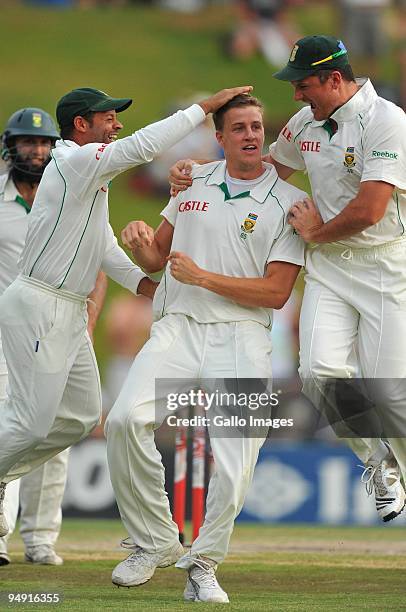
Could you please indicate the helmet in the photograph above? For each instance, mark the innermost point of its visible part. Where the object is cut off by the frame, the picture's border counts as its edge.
(28, 122)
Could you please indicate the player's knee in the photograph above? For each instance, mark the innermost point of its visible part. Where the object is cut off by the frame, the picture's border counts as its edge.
(319, 368)
(124, 419)
(113, 424)
(119, 424)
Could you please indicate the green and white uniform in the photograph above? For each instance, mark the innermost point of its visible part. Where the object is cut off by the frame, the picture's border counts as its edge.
(54, 389)
(201, 335)
(353, 319)
(39, 493)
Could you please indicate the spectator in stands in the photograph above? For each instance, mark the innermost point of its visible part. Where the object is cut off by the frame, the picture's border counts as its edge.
(263, 26)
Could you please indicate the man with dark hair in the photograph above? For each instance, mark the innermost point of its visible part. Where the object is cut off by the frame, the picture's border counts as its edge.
(54, 395)
(233, 257)
(352, 144)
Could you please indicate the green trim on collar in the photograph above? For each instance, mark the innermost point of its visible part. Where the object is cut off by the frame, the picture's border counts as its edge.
(329, 128)
(227, 195)
(20, 200)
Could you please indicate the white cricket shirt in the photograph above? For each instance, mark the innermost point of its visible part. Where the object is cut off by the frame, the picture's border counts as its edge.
(369, 145)
(13, 229)
(69, 237)
(236, 236)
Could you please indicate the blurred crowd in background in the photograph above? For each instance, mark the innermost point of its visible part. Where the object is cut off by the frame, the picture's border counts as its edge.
(268, 27)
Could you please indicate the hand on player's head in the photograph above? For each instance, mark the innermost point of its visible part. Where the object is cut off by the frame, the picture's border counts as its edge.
(210, 105)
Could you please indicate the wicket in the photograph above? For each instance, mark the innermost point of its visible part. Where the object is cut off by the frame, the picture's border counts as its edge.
(198, 463)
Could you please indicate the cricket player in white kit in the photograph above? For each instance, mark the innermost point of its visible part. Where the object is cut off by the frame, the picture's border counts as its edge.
(26, 145)
(233, 257)
(352, 143)
(54, 389)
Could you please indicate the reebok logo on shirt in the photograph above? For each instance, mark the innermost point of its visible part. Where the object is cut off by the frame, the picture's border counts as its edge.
(387, 154)
(193, 205)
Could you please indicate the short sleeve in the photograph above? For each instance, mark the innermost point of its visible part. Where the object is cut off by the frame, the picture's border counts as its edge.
(285, 150)
(288, 246)
(170, 212)
(385, 149)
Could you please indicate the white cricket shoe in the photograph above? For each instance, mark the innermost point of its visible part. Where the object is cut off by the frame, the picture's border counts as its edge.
(201, 583)
(3, 523)
(42, 554)
(139, 567)
(384, 479)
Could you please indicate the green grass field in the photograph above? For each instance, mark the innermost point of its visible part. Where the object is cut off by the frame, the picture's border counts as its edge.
(269, 568)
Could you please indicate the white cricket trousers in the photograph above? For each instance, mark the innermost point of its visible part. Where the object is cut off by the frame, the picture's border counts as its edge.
(53, 397)
(353, 323)
(39, 493)
(180, 347)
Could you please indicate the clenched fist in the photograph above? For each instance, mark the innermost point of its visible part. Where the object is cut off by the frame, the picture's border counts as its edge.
(137, 235)
(184, 269)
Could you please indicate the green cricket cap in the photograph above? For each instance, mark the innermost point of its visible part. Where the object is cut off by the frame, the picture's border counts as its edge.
(84, 100)
(312, 53)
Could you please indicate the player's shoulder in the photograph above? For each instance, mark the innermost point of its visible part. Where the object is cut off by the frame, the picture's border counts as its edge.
(70, 150)
(384, 112)
(202, 171)
(286, 194)
(300, 119)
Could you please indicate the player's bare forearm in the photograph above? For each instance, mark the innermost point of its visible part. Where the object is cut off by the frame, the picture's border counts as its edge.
(95, 302)
(365, 210)
(149, 258)
(147, 287)
(271, 291)
(255, 292)
(149, 248)
(345, 225)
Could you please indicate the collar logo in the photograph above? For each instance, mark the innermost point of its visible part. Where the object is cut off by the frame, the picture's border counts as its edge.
(247, 227)
(37, 120)
(349, 158)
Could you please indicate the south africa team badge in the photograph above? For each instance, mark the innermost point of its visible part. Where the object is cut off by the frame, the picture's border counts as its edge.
(248, 225)
(36, 120)
(349, 158)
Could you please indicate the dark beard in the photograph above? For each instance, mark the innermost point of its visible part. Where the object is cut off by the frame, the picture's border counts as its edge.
(24, 172)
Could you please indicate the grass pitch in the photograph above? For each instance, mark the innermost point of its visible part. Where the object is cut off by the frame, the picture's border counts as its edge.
(269, 568)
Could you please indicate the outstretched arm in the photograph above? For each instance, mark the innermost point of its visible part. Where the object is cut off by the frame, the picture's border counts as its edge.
(104, 162)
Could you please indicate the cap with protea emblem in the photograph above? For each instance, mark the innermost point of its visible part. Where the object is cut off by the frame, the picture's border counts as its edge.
(311, 54)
